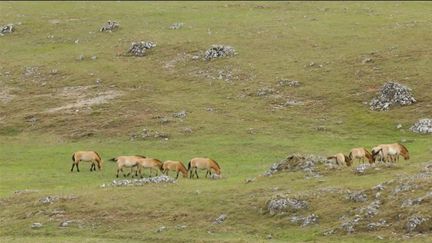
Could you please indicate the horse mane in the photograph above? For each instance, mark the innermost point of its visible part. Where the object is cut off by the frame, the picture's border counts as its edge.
(403, 148)
(97, 155)
(183, 166)
(215, 163)
(141, 156)
(347, 158)
(368, 155)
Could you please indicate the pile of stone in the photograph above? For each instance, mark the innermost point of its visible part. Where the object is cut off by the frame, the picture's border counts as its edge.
(149, 134)
(422, 126)
(297, 162)
(110, 26)
(391, 94)
(176, 26)
(281, 204)
(305, 221)
(140, 48)
(217, 51)
(289, 83)
(140, 182)
(6, 29)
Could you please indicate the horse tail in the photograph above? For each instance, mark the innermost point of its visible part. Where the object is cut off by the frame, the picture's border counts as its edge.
(350, 156)
(368, 155)
(113, 159)
(73, 157)
(331, 157)
(189, 165)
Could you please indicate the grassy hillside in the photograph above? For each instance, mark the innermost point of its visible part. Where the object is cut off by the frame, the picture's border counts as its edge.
(46, 111)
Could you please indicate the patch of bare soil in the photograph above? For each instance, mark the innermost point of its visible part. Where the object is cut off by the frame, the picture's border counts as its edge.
(83, 97)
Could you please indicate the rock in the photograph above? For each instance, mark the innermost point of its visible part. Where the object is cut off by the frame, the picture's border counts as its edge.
(377, 225)
(36, 225)
(406, 186)
(48, 200)
(147, 134)
(287, 82)
(392, 93)
(66, 223)
(349, 225)
(265, 91)
(311, 219)
(110, 26)
(215, 176)
(220, 219)
(162, 228)
(399, 126)
(140, 48)
(176, 26)
(422, 126)
(416, 223)
(362, 169)
(379, 187)
(181, 114)
(296, 162)
(218, 51)
(140, 182)
(367, 60)
(81, 57)
(282, 204)
(187, 130)
(9, 28)
(269, 237)
(372, 209)
(249, 180)
(358, 196)
(94, 57)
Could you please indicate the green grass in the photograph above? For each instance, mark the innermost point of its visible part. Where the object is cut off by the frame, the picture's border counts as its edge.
(274, 40)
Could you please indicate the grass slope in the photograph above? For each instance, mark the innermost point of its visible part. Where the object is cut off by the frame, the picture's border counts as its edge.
(274, 40)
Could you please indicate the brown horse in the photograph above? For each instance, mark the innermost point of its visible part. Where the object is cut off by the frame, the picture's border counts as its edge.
(391, 152)
(360, 154)
(176, 166)
(203, 164)
(341, 159)
(152, 164)
(88, 156)
(128, 162)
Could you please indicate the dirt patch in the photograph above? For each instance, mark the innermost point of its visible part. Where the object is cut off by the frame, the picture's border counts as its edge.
(5, 95)
(84, 98)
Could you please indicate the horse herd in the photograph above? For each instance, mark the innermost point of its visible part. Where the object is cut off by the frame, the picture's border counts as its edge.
(382, 152)
(137, 163)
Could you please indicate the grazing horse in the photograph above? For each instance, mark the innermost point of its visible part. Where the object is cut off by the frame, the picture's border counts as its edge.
(391, 152)
(203, 164)
(177, 166)
(88, 156)
(128, 162)
(360, 154)
(341, 159)
(151, 164)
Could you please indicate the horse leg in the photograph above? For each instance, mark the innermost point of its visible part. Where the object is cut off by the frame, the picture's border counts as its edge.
(118, 170)
(124, 175)
(177, 174)
(73, 165)
(196, 173)
(77, 167)
(191, 173)
(206, 174)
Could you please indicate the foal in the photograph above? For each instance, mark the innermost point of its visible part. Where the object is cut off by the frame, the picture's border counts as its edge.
(152, 164)
(176, 166)
(360, 154)
(128, 162)
(391, 152)
(341, 159)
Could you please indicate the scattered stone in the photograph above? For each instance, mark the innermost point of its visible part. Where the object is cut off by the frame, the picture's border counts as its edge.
(297, 162)
(329, 232)
(9, 28)
(399, 126)
(140, 48)
(367, 60)
(81, 57)
(36, 225)
(311, 219)
(416, 223)
(181, 114)
(162, 228)
(209, 109)
(217, 51)
(280, 204)
(392, 93)
(94, 57)
(25, 191)
(428, 167)
(404, 187)
(187, 130)
(372, 209)
(176, 26)
(377, 225)
(358, 196)
(141, 182)
(349, 225)
(379, 187)
(269, 237)
(287, 82)
(48, 199)
(249, 180)
(362, 169)
(220, 219)
(66, 223)
(149, 134)
(110, 26)
(31, 71)
(265, 91)
(422, 126)
(215, 176)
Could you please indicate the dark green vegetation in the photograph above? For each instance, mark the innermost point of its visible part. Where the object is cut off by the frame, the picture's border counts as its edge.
(244, 132)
